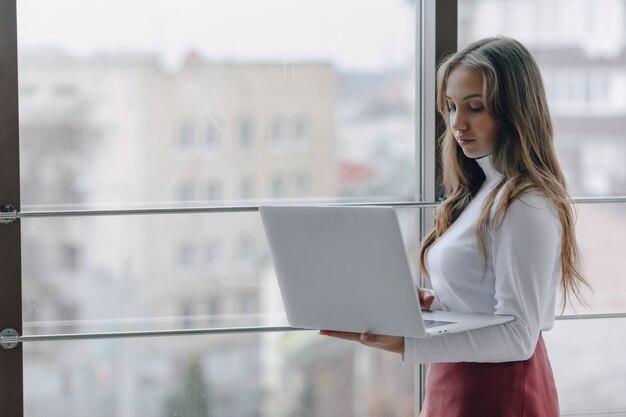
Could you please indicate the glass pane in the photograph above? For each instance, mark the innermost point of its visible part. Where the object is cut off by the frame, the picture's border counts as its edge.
(588, 361)
(97, 274)
(580, 47)
(601, 234)
(252, 375)
(163, 103)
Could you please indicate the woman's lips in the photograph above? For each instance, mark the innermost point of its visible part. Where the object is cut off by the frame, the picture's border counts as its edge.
(464, 141)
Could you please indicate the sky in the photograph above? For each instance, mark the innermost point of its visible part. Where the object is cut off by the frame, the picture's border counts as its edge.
(354, 34)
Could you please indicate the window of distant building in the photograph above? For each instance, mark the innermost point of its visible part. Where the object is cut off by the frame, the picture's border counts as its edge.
(69, 256)
(246, 189)
(277, 136)
(302, 185)
(28, 90)
(185, 257)
(185, 192)
(301, 134)
(64, 90)
(248, 302)
(213, 140)
(184, 141)
(214, 308)
(245, 135)
(598, 88)
(212, 254)
(247, 250)
(187, 311)
(214, 190)
(278, 186)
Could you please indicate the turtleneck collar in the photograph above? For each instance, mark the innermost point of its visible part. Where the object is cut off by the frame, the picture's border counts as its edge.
(491, 174)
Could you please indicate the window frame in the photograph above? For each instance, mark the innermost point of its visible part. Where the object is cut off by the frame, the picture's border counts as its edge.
(11, 360)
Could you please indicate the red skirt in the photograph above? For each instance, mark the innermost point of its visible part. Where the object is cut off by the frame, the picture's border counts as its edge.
(509, 389)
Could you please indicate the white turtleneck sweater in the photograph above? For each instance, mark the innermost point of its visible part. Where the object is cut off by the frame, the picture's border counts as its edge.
(523, 270)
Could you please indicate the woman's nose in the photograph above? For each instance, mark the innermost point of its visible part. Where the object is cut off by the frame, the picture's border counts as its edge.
(458, 121)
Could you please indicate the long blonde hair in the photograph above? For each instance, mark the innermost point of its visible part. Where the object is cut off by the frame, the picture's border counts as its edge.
(514, 95)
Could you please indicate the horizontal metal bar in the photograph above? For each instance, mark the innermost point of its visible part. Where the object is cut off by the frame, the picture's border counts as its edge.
(241, 209)
(222, 330)
(600, 413)
(151, 333)
(596, 200)
(591, 316)
(189, 210)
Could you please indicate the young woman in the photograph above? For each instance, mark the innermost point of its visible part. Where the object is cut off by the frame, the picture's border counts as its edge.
(503, 241)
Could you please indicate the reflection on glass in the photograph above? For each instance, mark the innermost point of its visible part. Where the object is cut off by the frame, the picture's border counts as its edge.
(273, 375)
(582, 54)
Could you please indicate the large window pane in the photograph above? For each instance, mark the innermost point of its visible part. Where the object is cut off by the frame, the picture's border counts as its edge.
(93, 274)
(164, 103)
(581, 49)
(262, 375)
(601, 233)
(589, 366)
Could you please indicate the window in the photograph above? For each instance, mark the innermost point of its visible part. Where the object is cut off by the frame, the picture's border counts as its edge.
(278, 186)
(117, 122)
(277, 135)
(185, 192)
(301, 134)
(302, 185)
(184, 142)
(212, 255)
(247, 250)
(185, 257)
(213, 142)
(156, 120)
(245, 135)
(69, 257)
(583, 75)
(246, 189)
(214, 190)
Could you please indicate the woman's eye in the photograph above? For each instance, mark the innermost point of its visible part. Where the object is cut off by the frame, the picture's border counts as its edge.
(476, 109)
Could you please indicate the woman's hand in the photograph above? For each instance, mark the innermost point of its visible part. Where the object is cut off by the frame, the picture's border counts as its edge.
(426, 298)
(388, 343)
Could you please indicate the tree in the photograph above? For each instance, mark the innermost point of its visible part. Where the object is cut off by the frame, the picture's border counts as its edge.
(192, 399)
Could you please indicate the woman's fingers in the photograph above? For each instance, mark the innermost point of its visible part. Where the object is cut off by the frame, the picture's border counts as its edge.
(426, 298)
(356, 337)
(389, 343)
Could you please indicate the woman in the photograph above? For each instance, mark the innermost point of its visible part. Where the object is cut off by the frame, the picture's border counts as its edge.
(503, 240)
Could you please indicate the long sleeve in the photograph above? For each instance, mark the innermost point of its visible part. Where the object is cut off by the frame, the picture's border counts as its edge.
(524, 258)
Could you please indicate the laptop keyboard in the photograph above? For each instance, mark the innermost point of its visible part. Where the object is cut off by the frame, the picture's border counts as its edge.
(434, 323)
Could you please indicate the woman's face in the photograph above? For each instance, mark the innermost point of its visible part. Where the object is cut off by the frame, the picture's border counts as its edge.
(474, 128)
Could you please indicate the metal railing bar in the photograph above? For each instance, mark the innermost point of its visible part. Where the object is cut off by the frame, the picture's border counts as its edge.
(221, 330)
(596, 200)
(188, 210)
(594, 413)
(242, 209)
(591, 316)
(148, 333)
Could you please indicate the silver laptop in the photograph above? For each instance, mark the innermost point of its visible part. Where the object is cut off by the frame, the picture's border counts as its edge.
(346, 269)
